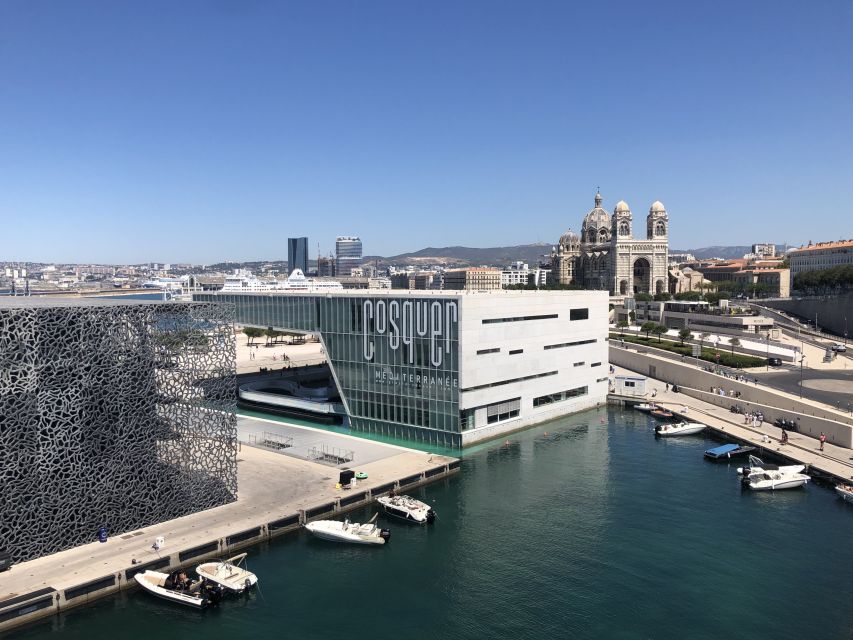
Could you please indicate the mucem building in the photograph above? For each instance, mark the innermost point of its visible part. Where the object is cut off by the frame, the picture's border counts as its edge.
(112, 414)
(448, 368)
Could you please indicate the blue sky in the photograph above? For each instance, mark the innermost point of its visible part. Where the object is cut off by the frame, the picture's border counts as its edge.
(205, 131)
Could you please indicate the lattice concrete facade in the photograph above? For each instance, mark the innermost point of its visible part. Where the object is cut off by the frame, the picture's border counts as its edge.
(112, 414)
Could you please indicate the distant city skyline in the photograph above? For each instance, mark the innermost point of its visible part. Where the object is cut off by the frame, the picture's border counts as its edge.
(202, 132)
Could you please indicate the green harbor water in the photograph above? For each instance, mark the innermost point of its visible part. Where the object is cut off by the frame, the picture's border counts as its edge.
(589, 527)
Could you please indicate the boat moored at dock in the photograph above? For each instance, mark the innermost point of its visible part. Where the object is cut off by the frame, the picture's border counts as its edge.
(679, 429)
(727, 451)
(845, 492)
(176, 587)
(228, 574)
(407, 508)
(346, 531)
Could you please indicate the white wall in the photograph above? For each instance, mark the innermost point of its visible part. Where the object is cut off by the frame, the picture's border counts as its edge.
(531, 336)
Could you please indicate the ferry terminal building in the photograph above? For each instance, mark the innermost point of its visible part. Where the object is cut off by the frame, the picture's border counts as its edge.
(448, 367)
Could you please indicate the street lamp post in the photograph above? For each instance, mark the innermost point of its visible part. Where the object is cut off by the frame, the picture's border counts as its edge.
(802, 359)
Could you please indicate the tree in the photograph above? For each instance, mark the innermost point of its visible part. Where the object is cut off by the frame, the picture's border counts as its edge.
(683, 334)
(659, 330)
(251, 333)
(688, 295)
(663, 297)
(632, 316)
(622, 324)
(734, 342)
(702, 337)
(648, 327)
(643, 297)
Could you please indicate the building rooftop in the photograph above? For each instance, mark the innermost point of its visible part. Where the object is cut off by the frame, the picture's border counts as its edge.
(823, 245)
(45, 302)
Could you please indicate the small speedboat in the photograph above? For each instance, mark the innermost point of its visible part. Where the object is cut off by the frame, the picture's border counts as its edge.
(757, 465)
(645, 407)
(169, 586)
(845, 492)
(726, 451)
(661, 413)
(407, 508)
(775, 480)
(228, 574)
(679, 429)
(346, 531)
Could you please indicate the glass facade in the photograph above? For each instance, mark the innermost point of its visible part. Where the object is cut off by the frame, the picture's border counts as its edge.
(395, 359)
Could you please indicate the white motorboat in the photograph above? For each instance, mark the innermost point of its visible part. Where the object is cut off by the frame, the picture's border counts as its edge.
(645, 407)
(407, 508)
(228, 574)
(845, 492)
(679, 429)
(756, 465)
(775, 480)
(346, 531)
(197, 594)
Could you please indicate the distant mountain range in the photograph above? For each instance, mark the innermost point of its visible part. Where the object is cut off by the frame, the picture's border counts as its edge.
(468, 256)
(529, 253)
(722, 252)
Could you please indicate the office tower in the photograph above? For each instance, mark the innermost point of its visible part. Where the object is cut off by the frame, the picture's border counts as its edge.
(297, 254)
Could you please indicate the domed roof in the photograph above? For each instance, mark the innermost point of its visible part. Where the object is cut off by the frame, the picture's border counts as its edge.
(621, 207)
(657, 207)
(597, 218)
(569, 238)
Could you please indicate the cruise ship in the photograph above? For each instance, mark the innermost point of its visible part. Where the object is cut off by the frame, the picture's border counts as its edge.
(297, 283)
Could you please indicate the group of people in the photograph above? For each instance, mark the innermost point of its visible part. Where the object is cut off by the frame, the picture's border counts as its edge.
(719, 391)
(755, 418)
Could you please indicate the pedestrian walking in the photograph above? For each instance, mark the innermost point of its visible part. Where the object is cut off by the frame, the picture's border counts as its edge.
(822, 439)
(667, 386)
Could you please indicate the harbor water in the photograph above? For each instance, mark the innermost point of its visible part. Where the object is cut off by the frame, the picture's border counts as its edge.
(588, 527)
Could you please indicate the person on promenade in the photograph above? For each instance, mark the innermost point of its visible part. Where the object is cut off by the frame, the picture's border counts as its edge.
(654, 393)
(822, 439)
(667, 386)
(784, 439)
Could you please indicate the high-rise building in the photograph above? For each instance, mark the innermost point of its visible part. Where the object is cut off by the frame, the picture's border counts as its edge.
(347, 254)
(297, 254)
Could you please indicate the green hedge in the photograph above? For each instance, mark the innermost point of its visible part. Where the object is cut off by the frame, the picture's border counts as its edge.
(727, 359)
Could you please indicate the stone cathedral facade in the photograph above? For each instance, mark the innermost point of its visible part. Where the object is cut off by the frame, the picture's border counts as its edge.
(607, 254)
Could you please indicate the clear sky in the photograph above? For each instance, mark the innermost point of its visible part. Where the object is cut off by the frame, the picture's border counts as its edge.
(210, 130)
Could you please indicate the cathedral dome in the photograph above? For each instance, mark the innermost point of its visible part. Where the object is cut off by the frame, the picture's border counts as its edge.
(569, 239)
(622, 207)
(657, 207)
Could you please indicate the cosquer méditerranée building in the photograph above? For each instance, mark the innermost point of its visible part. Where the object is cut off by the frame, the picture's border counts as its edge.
(448, 368)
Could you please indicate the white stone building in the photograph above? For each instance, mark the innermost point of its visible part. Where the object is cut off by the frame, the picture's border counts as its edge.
(607, 255)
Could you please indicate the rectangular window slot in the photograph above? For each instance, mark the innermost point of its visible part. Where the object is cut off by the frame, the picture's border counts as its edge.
(549, 316)
(570, 344)
(579, 314)
(510, 381)
(482, 352)
(515, 351)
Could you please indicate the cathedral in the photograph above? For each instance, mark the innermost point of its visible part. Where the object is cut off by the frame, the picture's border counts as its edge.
(606, 255)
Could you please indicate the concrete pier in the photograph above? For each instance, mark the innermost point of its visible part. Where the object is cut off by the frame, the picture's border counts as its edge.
(277, 494)
(834, 462)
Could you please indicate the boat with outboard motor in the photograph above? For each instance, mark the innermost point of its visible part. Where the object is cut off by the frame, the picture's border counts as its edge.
(346, 531)
(845, 492)
(727, 451)
(228, 574)
(757, 465)
(661, 413)
(177, 587)
(761, 476)
(646, 407)
(679, 429)
(407, 508)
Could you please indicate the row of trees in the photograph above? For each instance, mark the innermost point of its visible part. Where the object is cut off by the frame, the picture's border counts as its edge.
(684, 334)
(825, 280)
(272, 336)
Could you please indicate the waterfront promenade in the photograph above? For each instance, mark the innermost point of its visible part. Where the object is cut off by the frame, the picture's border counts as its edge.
(834, 460)
(276, 494)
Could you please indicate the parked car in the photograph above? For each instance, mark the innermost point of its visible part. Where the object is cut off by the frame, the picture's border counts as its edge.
(774, 362)
(839, 348)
